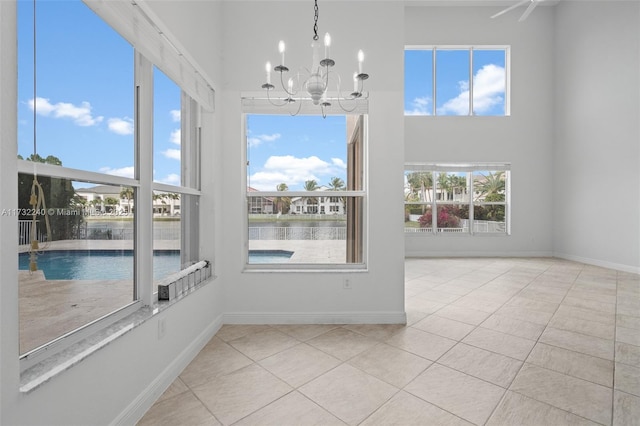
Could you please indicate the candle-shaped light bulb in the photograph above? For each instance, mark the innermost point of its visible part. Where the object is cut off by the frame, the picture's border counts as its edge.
(267, 68)
(281, 49)
(327, 44)
(360, 59)
(290, 85)
(355, 82)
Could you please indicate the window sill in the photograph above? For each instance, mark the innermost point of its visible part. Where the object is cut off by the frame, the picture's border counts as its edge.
(49, 368)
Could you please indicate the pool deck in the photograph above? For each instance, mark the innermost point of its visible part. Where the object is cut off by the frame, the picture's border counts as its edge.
(306, 251)
(49, 309)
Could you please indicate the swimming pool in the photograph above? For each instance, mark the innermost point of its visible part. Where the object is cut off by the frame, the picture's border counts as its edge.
(118, 264)
(269, 256)
(98, 264)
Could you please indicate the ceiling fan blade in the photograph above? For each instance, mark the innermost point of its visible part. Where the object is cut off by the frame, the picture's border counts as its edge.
(510, 8)
(526, 13)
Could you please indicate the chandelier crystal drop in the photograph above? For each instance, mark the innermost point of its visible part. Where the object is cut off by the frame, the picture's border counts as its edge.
(313, 84)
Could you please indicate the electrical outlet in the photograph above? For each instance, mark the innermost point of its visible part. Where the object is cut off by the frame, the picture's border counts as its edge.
(162, 328)
(346, 284)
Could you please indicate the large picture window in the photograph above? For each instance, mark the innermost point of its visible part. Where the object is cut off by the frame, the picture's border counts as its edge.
(457, 199)
(108, 177)
(456, 80)
(305, 190)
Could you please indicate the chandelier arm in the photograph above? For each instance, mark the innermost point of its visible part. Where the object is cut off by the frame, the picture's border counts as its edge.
(298, 110)
(341, 97)
(285, 88)
(351, 97)
(273, 103)
(347, 109)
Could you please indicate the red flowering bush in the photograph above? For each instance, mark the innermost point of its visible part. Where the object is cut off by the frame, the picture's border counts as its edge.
(448, 217)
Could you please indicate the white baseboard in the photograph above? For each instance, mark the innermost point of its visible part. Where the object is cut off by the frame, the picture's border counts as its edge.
(139, 406)
(393, 317)
(601, 263)
(440, 254)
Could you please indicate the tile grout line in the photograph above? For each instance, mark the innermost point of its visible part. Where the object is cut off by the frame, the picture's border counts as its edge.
(528, 354)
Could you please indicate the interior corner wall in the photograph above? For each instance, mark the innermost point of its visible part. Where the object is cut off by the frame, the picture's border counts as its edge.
(524, 139)
(597, 152)
(252, 30)
(116, 384)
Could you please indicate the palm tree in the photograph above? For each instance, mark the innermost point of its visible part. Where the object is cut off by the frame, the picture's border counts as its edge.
(110, 202)
(420, 184)
(456, 184)
(490, 186)
(443, 186)
(310, 185)
(282, 203)
(336, 184)
(127, 193)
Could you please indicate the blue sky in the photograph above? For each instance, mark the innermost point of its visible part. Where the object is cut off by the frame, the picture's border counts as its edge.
(452, 82)
(292, 150)
(84, 97)
(84, 104)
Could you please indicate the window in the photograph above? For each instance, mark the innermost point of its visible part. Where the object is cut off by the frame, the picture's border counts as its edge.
(296, 167)
(455, 80)
(466, 199)
(97, 229)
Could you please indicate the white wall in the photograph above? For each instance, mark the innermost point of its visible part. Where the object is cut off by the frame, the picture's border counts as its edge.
(597, 150)
(251, 33)
(525, 139)
(120, 381)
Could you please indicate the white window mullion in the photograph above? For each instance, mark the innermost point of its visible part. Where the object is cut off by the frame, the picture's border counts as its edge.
(471, 81)
(434, 204)
(433, 79)
(507, 205)
(471, 211)
(144, 172)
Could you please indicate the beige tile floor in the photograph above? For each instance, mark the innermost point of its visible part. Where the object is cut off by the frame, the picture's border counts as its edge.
(488, 341)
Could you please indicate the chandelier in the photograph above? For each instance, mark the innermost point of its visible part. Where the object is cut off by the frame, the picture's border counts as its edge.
(313, 84)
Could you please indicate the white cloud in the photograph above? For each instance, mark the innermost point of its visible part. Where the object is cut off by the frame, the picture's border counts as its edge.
(121, 126)
(258, 140)
(172, 153)
(81, 115)
(128, 172)
(488, 91)
(339, 163)
(489, 87)
(175, 137)
(175, 114)
(421, 106)
(294, 171)
(171, 179)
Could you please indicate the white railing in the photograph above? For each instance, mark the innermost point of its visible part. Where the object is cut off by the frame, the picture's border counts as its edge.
(100, 232)
(297, 216)
(479, 227)
(298, 233)
(24, 232)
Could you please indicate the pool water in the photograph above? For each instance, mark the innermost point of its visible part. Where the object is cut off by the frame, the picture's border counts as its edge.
(269, 256)
(118, 264)
(98, 264)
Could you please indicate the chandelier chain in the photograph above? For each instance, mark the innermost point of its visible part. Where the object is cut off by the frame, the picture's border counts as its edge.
(314, 84)
(315, 21)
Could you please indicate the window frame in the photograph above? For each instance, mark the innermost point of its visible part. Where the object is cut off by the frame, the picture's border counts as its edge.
(471, 49)
(361, 158)
(434, 202)
(144, 287)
